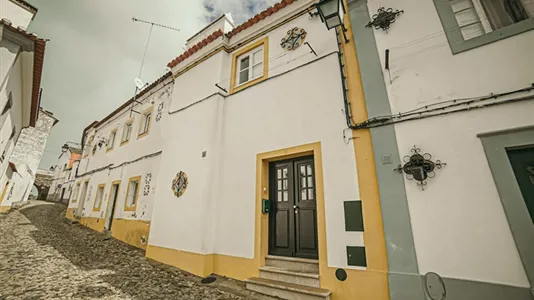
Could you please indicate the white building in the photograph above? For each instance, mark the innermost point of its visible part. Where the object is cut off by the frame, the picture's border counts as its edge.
(21, 62)
(64, 174)
(460, 88)
(115, 182)
(26, 158)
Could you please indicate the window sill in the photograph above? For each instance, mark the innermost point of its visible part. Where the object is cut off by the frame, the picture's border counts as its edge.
(247, 84)
(96, 209)
(140, 135)
(491, 37)
(130, 208)
(124, 143)
(109, 150)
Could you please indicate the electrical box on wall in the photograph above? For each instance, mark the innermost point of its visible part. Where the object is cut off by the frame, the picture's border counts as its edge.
(265, 204)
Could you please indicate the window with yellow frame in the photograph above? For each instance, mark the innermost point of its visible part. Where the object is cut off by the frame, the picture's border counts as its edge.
(144, 123)
(76, 191)
(99, 197)
(132, 194)
(127, 131)
(111, 140)
(250, 65)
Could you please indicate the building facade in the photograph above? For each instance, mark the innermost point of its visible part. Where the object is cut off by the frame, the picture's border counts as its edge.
(26, 157)
(115, 183)
(64, 174)
(21, 63)
(460, 89)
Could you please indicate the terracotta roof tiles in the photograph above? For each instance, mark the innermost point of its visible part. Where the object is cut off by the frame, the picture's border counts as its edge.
(255, 19)
(210, 38)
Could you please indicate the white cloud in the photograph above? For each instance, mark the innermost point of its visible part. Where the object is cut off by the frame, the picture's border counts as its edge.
(241, 10)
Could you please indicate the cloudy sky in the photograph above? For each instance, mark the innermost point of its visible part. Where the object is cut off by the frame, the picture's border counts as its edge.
(95, 52)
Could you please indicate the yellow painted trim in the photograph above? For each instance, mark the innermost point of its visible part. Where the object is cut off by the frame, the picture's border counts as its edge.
(131, 231)
(4, 209)
(145, 112)
(128, 122)
(116, 182)
(4, 191)
(205, 264)
(115, 130)
(103, 186)
(136, 198)
(233, 75)
(93, 223)
(77, 187)
(69, 214)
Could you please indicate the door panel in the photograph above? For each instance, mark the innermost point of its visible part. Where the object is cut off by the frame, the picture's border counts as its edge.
(110, 211)
(522, 161)
(293, 220)
(305, 207)
(282, 235)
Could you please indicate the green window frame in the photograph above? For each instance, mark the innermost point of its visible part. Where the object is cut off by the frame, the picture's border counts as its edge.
(454, 35)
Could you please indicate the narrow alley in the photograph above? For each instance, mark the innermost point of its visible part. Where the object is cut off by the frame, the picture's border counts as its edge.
(42, 256)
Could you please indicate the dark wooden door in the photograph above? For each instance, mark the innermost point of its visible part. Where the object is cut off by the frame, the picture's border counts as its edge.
(522, 161)
(293, 218)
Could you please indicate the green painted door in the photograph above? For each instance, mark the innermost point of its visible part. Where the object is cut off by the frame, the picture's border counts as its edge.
(522, 161)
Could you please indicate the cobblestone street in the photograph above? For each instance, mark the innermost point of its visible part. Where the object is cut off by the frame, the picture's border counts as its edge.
(44, 257)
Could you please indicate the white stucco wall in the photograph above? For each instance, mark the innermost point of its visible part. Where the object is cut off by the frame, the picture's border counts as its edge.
(216, 213)
(138, 157)
(459, 227)
(15, 13)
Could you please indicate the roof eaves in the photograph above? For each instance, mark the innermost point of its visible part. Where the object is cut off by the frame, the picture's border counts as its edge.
(212, 37)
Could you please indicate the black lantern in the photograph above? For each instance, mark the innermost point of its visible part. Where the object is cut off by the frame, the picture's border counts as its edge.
(332, 13)
(64, 148)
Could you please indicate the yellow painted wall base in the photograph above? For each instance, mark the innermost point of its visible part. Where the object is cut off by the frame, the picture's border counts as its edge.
(131, 231)
(204, 264)
(93, 223)
(4, 209)
(359, 284)
(69, 214)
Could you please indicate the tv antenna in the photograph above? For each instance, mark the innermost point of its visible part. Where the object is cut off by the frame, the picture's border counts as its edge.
(138, 82)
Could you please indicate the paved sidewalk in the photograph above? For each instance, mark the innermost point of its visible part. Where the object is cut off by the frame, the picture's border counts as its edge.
(44, 257)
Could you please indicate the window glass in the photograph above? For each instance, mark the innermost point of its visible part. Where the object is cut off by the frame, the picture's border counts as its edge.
(99, 197)
(126, 132)
(132, 193)
(111, 141)
(250, 65)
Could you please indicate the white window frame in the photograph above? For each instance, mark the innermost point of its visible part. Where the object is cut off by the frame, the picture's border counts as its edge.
(111, 142)
(252, 64)
(126, 135)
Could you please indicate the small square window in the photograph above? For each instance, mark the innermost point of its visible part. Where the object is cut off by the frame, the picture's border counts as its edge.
(126, 132)
(144, 125)
(132, 194)
(111, 140)
(249, 65)
(99, 197)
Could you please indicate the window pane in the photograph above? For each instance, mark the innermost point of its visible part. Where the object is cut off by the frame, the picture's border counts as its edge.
(309, 170)
(310, 181)
(286, 196)
(285, 184)
(244, 63)
(243, 76)
(257, 71)
(310, 194)
(278, 173)
(303, 194)
(302, 171)
(257, 57)
(285, 173)
(279, 185)
(303, 182)
(279, 196)
(132, 192)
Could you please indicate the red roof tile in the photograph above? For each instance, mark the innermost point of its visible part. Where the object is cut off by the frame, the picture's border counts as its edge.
(195, 48)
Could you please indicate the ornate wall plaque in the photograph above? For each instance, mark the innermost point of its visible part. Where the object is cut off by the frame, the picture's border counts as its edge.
(384, 18)
(179, 184)
(419, 167)
(294, 38)
(160, 112)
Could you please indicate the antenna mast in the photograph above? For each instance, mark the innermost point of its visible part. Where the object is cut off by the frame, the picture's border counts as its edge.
(152, 24)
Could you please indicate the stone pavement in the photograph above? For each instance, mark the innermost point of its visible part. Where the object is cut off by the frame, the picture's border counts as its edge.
(44, 257)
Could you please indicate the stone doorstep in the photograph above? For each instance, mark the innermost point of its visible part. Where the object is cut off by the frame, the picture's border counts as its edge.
(290, 276)
(293, 263)
(318, 293)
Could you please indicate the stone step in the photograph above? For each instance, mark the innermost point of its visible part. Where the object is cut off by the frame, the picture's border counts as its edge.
(289, 276)
(286, 290)
(293, 263)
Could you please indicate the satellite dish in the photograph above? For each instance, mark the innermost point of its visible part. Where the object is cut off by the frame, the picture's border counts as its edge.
(139, 83)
